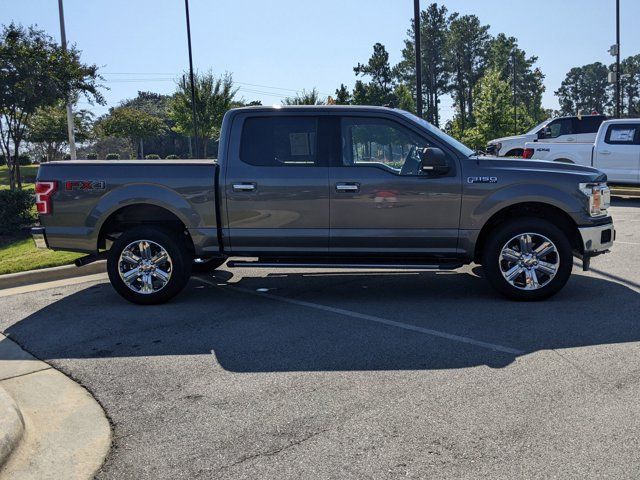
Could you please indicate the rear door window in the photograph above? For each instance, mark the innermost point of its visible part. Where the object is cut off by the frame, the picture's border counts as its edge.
(279, 141)
(623, 134)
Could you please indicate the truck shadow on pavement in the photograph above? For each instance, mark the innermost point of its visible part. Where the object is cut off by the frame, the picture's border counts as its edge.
(244, 332)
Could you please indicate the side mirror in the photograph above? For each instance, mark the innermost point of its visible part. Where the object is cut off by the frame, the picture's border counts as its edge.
(434, 161)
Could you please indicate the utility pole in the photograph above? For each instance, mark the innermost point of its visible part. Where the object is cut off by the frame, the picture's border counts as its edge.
(618, 72)
(416, 28)
(515, 104)
(193, 88)
(70, 123)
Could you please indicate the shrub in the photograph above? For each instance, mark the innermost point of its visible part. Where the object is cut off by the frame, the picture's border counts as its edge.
(15, 210)
(24, 159)
(2, 160)
(152, 156)
(172, 157)
(92, 156)
(113, 156)
(66, 156)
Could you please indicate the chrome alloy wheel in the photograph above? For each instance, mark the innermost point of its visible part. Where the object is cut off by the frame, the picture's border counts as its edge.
(529, 261)
(145, 266)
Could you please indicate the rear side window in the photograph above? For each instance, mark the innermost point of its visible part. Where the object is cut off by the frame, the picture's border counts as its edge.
(589, 124)
(623, 134)
(280, 141)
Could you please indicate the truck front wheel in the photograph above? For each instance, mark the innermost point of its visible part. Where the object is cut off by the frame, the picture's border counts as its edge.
(527, 259)
(149, 265)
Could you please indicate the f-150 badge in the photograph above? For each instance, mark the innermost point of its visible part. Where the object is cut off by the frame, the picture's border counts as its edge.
(482, 179)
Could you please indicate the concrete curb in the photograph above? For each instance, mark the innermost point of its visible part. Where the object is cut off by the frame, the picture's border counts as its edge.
(64, 431)
(20, 279)
(11, 426)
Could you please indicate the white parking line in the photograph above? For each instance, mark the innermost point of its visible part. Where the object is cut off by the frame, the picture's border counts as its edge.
(371, 318)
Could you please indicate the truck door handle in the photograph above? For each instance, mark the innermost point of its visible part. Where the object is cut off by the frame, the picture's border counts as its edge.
(571, 139)
(605, 152)
(244, 187)
(348, 187)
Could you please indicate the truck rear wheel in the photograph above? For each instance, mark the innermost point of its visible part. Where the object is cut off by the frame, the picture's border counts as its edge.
(527, 259)
(149, 265)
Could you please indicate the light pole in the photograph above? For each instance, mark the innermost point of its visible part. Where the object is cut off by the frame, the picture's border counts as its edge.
(615, 75)
(416, 28)
(618, 72)
(193, 89)
(70, 124)
(515, 104)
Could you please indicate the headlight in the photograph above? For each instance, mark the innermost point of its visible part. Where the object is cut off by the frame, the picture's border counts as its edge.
(598, 198)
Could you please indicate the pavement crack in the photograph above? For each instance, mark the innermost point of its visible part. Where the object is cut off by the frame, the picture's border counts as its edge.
(25, 374)
(271, 453)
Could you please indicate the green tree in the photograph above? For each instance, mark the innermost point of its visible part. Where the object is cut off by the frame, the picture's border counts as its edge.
(35, 72)
(630, 86)
(585, 89)
(494, 111)
(48, 127)
(214, 96)
(466, 53)
(501, 52)
(132, 124)
(343, 96)
(434, 29)
(305, 98)
(379, 90)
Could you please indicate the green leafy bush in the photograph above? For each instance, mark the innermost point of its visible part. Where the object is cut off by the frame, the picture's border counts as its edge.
(24, 159)
(92, 156)
(113, 156)
(66, 156)
(172, 157)
(15, 210)
(152, 156)
(2, 160)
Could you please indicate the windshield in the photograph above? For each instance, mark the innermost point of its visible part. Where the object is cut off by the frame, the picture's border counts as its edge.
(538, 127)
(439, 133)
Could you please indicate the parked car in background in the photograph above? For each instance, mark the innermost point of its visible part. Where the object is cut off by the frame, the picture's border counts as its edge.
(556, 130)
(616, 151)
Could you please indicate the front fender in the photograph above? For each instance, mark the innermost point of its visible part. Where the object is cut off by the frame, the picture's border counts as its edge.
(491, 203)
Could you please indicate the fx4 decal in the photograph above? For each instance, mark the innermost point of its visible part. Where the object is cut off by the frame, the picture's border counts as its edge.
(84, 185)
(482, 179)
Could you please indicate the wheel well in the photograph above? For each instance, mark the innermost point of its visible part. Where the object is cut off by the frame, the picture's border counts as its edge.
(515, 152)
(544, 211)
(140, 214)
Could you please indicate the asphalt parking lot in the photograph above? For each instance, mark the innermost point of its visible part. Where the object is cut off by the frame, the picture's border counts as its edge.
(349, 374)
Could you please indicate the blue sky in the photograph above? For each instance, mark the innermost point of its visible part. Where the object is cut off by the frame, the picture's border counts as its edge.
(276, 47)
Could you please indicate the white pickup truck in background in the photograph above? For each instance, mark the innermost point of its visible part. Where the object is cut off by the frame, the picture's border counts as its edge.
(582, 128)
(616, 151)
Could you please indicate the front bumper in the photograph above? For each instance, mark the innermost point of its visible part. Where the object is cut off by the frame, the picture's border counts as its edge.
(39, 237)
(597, 239)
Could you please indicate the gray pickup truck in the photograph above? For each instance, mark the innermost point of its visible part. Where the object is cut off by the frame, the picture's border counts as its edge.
(327, 186)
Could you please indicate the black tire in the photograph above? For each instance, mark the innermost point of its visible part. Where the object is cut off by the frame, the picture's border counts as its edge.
(180, 264)
(492, 265)
(207, 265)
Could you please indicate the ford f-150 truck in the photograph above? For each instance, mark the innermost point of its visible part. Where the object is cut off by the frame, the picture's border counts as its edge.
(327, 186)
(555, 130)
(616, 151)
